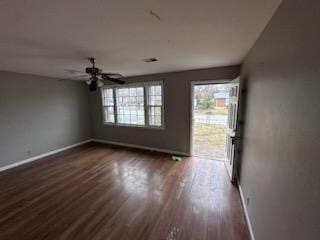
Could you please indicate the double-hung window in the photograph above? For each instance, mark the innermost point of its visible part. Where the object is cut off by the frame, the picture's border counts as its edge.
(108, 106)
(130, 105)
(133, 104)
(154, 105)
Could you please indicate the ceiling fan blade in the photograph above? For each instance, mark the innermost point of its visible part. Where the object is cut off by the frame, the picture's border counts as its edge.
(112, 75)
(72, 71)
(83, 76)
(116, 80)
(106, 76)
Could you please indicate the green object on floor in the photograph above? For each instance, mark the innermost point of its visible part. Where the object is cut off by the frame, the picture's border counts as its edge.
(176, 158)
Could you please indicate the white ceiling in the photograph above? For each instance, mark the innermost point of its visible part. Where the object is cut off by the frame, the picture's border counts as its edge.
(44, 37)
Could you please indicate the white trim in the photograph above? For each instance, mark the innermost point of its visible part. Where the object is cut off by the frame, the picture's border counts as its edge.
(16, 164)
(246, 213)
(145, 86)
(140, 147)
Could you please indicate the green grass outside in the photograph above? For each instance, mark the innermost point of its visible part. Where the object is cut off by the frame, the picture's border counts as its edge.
(210, 134)
(209, 140)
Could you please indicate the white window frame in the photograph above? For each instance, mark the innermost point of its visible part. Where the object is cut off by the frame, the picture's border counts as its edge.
(146, 106)
(107, 106)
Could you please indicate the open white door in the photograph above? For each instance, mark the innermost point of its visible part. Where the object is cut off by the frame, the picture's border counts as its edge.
(231, 138)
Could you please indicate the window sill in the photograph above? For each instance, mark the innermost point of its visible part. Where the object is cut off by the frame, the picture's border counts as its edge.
(133, 126)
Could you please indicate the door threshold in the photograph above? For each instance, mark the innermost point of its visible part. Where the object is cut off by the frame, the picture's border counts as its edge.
(209, 158)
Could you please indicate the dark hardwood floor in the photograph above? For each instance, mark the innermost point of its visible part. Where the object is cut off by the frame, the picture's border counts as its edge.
(103, 192)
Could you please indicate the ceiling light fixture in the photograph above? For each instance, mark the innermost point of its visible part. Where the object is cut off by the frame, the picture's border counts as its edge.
(88, 82)
(99, 83)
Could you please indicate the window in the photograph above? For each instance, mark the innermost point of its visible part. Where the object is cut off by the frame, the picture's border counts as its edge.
(154, 105)
(137, 105)
(108, 106)
(130, 105)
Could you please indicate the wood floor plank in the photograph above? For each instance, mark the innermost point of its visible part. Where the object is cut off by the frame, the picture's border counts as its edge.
(98, 191)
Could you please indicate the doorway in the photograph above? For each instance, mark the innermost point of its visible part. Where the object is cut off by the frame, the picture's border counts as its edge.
(210, 109)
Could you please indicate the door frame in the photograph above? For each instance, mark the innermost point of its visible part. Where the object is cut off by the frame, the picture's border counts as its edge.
(237, 136)
(193, 84)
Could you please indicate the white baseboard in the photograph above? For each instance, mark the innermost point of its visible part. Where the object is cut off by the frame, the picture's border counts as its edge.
(246, 213)
(16, 164)
(140, 147)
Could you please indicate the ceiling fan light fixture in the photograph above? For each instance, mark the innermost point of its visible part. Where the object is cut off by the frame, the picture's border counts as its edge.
(99, 83)
(97, 77)
(94, 78)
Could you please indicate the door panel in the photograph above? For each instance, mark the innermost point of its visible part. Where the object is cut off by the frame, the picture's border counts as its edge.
(232, 138)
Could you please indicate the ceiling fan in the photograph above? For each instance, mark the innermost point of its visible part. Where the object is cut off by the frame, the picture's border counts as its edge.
(96, 76)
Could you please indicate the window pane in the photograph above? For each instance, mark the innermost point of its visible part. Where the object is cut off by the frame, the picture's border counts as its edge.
(130, 105)
(155, 96)
(108, 109)
(140, 92)
(155, 116)
(108, 97)
(109, 114)
(155, 105)
(155, 100)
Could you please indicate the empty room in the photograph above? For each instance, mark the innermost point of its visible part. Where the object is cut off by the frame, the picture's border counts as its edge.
(159, 120)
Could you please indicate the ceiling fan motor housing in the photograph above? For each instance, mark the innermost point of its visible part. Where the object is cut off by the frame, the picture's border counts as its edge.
(93, 70)
(93, 86)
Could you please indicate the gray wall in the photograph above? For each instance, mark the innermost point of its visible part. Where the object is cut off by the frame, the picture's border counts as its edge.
(281, 160)
(177, 106)
(38, 115)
